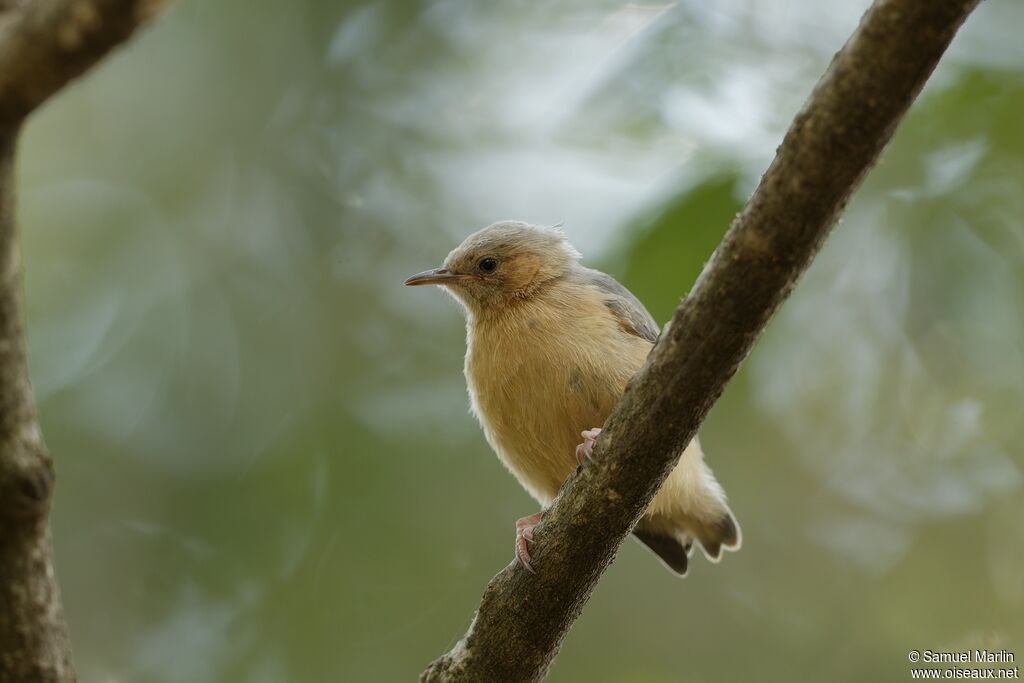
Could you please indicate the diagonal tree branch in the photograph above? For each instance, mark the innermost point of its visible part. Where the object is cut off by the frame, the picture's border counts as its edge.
(43, 45)
(46, 43)
(830, 146)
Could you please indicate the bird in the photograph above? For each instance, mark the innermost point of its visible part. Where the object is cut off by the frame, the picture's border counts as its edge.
(550, 348)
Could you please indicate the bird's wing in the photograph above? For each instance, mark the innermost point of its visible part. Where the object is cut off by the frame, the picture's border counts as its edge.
(627, 309)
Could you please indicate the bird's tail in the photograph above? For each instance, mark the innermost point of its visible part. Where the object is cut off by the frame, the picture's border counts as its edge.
(690, 507)
(674, 553)
(720, 533)
(674, 546)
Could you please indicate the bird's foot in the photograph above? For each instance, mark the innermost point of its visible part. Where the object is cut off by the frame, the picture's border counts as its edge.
(585, 450)
(524, 535)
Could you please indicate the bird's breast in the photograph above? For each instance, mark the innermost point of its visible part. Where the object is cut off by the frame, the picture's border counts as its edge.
(538, 378)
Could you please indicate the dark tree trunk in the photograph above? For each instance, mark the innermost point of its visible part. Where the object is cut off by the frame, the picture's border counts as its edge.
(43, 45)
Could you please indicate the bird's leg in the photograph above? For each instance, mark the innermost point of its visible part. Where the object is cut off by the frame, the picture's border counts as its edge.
(585, 450)
(524, 534)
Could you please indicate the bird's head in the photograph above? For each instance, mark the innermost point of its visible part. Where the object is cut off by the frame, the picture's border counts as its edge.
(501, 264)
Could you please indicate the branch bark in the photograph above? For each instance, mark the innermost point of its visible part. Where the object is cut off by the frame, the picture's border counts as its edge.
(830, 146)
(43, 45)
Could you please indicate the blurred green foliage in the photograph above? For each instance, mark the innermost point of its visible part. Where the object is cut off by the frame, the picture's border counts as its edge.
(267, 470)
(703, 215)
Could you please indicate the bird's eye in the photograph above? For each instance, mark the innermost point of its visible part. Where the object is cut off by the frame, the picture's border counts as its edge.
(488, 265)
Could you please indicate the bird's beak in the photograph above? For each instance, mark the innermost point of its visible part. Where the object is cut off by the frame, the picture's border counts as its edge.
(438, 276)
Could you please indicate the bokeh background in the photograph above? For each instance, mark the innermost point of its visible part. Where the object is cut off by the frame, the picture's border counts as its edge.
(267, 468)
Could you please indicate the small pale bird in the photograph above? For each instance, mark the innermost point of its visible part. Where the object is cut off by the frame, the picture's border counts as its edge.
(550, 347)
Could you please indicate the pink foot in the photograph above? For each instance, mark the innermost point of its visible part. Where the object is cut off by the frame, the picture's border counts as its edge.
(524, 534)
(585, 450)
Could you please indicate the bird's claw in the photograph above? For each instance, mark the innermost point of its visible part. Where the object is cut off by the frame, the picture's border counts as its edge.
(524, 536)
(585, 450)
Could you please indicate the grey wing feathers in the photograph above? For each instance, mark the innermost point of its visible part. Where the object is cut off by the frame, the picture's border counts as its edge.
(631, 314)
(673, 553)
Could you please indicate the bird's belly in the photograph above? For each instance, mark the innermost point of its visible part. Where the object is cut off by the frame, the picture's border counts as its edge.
(535, 435)
(533, 418)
